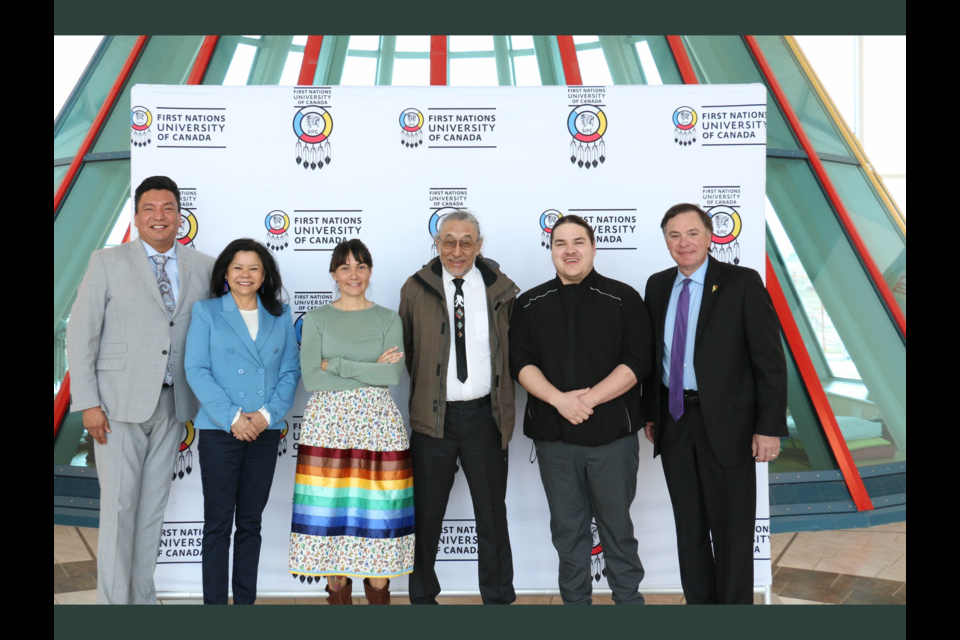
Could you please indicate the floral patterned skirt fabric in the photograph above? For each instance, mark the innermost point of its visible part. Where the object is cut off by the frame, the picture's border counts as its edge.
(353, 497)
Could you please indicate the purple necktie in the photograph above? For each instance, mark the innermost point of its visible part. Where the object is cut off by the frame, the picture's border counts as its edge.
(678, 352)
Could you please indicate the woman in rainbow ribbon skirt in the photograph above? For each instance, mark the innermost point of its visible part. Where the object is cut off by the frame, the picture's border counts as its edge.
(353, 499)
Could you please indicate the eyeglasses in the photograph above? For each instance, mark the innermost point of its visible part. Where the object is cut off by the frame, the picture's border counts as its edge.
(465, 245)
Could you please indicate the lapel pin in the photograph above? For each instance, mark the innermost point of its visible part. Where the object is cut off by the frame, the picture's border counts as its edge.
(715, 287)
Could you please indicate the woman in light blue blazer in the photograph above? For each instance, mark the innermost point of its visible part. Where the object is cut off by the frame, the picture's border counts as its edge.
(243, 364)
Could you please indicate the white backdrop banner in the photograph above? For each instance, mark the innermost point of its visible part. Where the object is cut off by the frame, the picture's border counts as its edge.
(302, 168)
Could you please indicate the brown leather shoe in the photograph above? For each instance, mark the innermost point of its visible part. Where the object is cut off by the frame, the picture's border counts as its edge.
(343, 595)
(376, 596)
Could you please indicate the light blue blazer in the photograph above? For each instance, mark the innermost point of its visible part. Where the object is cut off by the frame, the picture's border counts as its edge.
(228, 371)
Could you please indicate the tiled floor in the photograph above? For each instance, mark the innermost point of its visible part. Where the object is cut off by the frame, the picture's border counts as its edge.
(867, 566)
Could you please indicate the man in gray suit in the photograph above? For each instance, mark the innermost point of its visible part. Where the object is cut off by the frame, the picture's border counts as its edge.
(125, 343)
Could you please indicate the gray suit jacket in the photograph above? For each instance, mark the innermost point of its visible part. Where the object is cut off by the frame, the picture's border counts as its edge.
(119, 333)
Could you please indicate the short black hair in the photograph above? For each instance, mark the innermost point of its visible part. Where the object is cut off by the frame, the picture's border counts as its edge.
(574, 219)
(160, 183)
(348, 248)
(272, 289)
(686, 207)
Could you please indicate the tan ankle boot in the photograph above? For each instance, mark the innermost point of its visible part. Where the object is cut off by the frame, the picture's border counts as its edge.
(376, 596)
(343, 595)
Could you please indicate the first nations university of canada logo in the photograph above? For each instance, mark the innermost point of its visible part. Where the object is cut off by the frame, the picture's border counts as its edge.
(189, 227)
(277, 224)
(587, 124)
(547, 220)
(313, 125)
(411, 128)
(727, 226)
(140, 121)
(685, 126)
(184, 464)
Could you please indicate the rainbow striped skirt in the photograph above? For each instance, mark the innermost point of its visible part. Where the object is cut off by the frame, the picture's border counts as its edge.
(353, 498)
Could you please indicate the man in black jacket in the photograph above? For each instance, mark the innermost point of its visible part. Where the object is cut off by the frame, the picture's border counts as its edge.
(579, 344)
(716, 404)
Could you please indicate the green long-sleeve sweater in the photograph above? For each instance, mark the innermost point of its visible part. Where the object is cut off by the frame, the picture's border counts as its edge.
(351, 341)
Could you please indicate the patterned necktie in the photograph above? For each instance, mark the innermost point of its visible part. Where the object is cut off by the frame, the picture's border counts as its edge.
(459, 307)
(166, 292)
(679, 351)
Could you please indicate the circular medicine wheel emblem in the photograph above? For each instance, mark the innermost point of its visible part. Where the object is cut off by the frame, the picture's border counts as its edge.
(140, 118)
(434, 225)
(547, 221)
(312, 124)
(685, 118)
(587, 123)
(188, 228)
(277, 222)
(411, 120)
(727, 225)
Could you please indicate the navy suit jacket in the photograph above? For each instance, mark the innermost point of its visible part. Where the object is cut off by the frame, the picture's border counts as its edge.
(229, 372)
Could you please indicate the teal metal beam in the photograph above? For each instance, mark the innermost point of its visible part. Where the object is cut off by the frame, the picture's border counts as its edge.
(548, 59)
(270, 61)
(388, 53)
(333, 55)
(501, 51)
(613, 53)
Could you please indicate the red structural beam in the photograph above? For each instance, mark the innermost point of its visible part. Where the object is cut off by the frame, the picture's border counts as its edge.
(438, 61)
(811, 381)
(817, 395)
(311, 55)
(97, 124)
(202, 61)
(568, 57)
(855, 238)
(683, 60)
(60, 404)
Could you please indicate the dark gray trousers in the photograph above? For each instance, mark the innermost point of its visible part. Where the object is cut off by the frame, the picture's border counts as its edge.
(583, 483)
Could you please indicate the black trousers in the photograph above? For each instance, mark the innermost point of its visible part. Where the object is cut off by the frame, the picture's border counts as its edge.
(709, 498)
(471, 435)
(236, 479)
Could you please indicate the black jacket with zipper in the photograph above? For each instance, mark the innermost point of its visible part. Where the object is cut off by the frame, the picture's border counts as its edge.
(577, 335)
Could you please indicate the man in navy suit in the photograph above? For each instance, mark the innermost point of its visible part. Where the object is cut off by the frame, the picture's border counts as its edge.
(717, 401)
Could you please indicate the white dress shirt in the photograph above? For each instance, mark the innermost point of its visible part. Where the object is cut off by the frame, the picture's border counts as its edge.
(173, 271)
(478, 382)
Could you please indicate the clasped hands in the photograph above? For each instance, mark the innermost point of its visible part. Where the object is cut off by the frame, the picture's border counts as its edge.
(249, 426)
(575, 406)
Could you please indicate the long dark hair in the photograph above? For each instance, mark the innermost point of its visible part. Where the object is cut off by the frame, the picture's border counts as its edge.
(272, 289)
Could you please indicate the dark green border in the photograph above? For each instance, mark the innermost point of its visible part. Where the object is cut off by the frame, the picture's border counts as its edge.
(692, 17)
(827, 17)
(463, 623)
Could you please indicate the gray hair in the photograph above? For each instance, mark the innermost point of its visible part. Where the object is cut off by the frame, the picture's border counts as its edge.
(459, 214)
